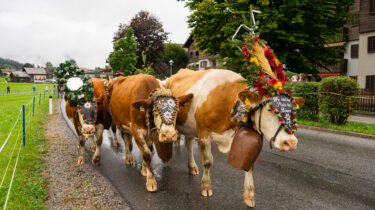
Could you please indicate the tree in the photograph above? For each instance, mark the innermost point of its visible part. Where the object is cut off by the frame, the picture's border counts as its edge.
(176, 53)
(28, 65)
(150, 37)
(146, 69)
(123, 57)
(296, 30)
(50, 69)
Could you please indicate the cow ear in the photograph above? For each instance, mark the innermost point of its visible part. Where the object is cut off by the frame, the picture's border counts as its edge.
(142, 105)
(251, 97)
(99, 100)
(185, 100)
(300, 101)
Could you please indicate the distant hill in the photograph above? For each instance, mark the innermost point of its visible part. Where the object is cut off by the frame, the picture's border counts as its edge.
(10, 64)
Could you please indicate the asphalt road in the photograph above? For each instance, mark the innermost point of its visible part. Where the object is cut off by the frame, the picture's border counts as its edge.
(327, 171)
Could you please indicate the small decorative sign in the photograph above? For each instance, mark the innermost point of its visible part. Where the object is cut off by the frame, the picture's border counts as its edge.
(284, 106)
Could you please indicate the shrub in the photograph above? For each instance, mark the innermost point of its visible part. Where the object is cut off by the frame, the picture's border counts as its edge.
(336, 107)
(308, 91)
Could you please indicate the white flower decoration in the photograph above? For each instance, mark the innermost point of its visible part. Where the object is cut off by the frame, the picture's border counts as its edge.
(87, 105)
(167, 115)
(74, 83)
(171, 102)
(81, 96)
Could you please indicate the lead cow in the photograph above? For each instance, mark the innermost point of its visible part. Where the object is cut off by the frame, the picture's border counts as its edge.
(135, 99)
(208, 118)
(86, 124)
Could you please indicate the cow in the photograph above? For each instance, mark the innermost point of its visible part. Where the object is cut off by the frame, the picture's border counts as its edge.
(94, 125)
(207, 117)
(133, 106)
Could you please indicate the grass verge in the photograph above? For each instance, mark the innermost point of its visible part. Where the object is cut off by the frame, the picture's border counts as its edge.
(352, 127)
(28, 190)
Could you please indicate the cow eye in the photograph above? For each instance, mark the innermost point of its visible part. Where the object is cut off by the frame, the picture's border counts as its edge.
(270, 110)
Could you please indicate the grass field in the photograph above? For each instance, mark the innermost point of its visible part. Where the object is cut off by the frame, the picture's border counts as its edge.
(28, 189)
(24, 86)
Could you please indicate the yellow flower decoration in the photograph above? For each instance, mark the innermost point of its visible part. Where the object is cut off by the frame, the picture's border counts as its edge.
(277, 62)
(278, 86)
(254, 60)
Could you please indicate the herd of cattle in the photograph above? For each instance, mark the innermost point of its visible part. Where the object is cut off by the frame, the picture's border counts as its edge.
(196, 104)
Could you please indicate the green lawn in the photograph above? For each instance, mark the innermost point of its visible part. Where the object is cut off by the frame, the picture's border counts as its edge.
(24, 86)
(2, 79)
(28, 190)
(352, 127)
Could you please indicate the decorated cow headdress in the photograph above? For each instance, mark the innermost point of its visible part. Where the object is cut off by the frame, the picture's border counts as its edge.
(79, 91)
(266, 75)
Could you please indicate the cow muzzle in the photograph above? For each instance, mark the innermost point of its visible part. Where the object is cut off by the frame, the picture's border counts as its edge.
(88, 130)
(168, 137)
(288, 145)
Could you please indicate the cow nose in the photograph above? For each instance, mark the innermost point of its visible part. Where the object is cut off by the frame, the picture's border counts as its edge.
(289, 145)
(89, 130)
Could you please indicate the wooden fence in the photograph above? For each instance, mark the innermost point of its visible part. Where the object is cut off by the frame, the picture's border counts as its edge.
(366, 102)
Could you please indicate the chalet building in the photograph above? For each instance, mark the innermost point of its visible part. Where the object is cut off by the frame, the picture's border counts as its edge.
(358, 39)
(19, 76)
(7, 72)
(36, 74)
(197, 59)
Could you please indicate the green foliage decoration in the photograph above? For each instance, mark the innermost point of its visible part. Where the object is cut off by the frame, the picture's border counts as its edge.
(337, 107)
(308, 91)
(85, 93)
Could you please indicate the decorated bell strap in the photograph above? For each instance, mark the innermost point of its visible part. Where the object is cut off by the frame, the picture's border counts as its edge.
(89, 111)
(165, 104)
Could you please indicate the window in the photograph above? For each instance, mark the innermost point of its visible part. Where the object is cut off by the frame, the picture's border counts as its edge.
(191, 54)
(203, 64)
(371, 44)
(370, 82)
(354, 51)
(197, 53)
(372, 7)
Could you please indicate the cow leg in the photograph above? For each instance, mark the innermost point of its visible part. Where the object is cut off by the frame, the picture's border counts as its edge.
(114, 131)
(92, 145)
(207, 159)
(189, 143)
(128, 148)
(81, 145)
(98, 143)
(140, 139)
(248, 195)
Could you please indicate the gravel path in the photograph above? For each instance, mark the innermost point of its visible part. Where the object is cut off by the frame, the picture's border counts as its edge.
(72, 186)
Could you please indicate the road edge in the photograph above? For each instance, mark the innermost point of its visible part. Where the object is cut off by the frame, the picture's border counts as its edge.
(362, 135)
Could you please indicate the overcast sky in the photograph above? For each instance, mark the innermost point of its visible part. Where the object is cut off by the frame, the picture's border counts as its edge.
(37, 31)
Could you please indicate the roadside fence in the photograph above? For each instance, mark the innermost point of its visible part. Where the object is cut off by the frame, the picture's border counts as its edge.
(19, 126)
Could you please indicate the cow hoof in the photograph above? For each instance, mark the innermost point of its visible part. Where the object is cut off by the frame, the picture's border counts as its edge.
(207, 192)
(194, 170)
(95, 160)
(151, 185)
(93, 149)
(250, 202)
(78, 146)
(129, 160)
(81, 160)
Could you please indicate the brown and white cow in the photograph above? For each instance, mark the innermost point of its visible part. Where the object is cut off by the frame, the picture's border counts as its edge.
(129, 104)
(86, 131)
(208, 118)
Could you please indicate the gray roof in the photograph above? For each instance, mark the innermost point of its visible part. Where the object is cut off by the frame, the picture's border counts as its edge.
(35, 71)
(20, 74)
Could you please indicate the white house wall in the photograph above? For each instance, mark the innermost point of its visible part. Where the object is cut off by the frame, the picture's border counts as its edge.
(352, 62)
(366, 65)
